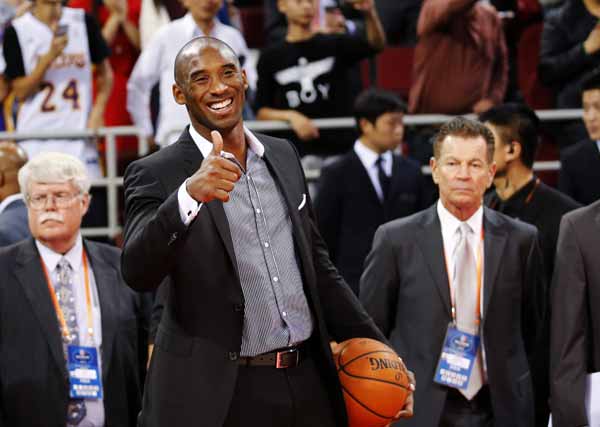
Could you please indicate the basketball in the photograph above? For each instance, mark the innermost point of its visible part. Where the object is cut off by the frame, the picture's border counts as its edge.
(374, 382)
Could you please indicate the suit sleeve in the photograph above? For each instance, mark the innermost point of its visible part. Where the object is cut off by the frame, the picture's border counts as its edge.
(328, 209)
(153, 229)
(379, 282)
(568, 355)
(535, 307)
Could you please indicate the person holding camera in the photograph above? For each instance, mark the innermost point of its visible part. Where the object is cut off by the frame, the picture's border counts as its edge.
(49, 53)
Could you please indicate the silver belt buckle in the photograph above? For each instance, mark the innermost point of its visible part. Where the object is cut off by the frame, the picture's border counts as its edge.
(287, 358)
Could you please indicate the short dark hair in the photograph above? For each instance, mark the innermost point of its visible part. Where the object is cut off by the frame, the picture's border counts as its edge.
(516, 122)
(372, 103)
(466, 128)
(591, 81)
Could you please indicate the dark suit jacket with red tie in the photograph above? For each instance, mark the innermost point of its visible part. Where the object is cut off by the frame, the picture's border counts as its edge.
(194, 366)
(34, 385)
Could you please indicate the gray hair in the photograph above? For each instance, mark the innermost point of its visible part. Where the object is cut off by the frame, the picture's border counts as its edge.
(54, 168)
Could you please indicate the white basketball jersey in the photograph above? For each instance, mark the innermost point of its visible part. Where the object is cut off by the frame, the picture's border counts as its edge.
(64, 99)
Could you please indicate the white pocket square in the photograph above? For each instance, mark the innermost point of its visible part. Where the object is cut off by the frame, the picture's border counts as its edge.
(303, 202)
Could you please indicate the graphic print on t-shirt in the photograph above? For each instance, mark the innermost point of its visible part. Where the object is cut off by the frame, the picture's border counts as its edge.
(305, 73)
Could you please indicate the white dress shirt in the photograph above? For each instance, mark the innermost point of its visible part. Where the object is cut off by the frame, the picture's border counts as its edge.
(369, 158)
(450, 236)
(95, 407)
(189, 207)
(156, 64)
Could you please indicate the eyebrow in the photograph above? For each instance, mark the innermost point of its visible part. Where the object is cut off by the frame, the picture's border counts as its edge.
(229, 65)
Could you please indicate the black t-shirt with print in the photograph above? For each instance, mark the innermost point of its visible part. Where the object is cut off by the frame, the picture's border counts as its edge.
(310, 76)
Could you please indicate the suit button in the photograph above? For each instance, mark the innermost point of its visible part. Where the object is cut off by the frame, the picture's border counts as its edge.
(233, 355)
(238, 307)
(172, 238)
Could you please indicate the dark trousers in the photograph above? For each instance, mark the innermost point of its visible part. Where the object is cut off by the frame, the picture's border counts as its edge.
(269, 397)
(460, 412)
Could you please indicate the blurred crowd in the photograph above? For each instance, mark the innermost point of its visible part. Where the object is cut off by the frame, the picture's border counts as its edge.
(83, 64)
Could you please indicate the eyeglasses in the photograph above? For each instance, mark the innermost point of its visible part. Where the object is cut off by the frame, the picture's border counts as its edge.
(61, 200)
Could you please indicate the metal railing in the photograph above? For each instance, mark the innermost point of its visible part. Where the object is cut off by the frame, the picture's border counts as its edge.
(112, 181)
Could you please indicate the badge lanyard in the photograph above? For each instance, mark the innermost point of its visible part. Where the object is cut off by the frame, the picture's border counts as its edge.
(479, 282)
(88, 299)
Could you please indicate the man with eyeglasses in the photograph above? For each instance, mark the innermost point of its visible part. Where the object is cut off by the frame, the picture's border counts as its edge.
(70, 328)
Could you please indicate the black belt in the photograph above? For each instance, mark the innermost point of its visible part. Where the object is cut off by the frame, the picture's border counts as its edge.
(289, 357)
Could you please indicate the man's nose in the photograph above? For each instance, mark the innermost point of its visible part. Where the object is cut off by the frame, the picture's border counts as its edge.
(463, 171)
(218, 86)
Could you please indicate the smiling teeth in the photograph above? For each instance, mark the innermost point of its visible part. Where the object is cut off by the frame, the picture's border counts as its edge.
(221, 105)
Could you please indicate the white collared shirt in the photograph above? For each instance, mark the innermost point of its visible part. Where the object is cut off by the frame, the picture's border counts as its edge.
(450, 225)
(598, 145)
(368, 158)
(10, 199)
(188, 207)
(94, 407)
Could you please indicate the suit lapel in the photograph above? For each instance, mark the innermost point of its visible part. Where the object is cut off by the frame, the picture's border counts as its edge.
(193, 158)
(432, 248)
(395, 180)
(31, 277)
(282, 179)
(494, 242)
(106, 278)
(363, 176)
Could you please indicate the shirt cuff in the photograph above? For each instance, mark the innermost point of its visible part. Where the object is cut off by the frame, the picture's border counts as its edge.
(188, 207)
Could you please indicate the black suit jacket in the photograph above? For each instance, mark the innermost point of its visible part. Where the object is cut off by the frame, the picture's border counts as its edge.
(34, 386)
(405, 289)
(575, 336)
(580, 172)
(13, 223)
(349, 211)
(194, 365)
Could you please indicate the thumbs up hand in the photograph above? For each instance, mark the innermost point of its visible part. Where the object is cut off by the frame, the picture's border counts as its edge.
(216, 177)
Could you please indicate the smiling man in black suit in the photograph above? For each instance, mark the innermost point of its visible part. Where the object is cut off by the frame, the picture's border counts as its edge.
(225, 215)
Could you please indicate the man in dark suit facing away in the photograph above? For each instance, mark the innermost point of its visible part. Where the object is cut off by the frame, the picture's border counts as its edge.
(369, 185)
(71, 332)
(575, 332)
(224, 214)
(459, 269)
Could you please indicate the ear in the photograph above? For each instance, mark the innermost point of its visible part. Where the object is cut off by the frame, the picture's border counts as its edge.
(434, 169)
(365, 126)
(178, 94)
(491, 174)
(245, 79)
(85, 203)
(514, 150)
